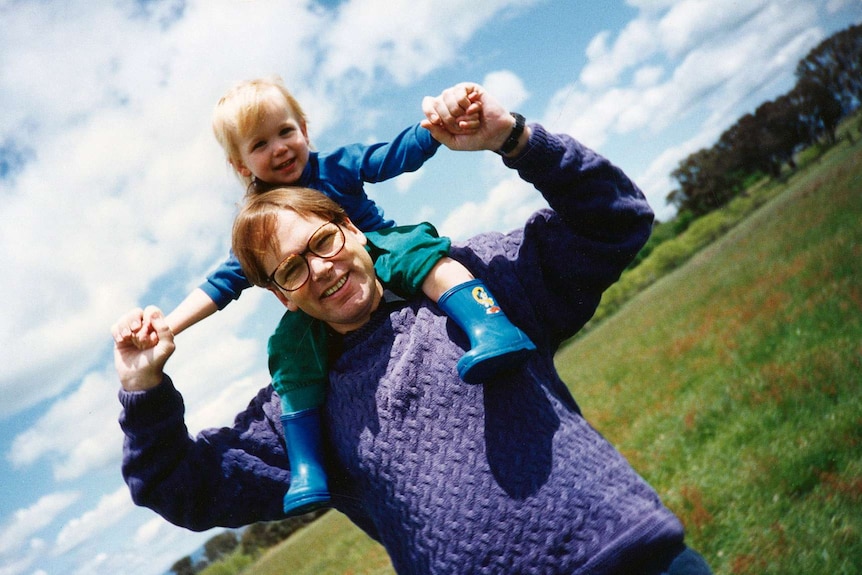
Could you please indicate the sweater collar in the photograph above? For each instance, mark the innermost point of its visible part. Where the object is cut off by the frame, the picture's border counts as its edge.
(389, 302)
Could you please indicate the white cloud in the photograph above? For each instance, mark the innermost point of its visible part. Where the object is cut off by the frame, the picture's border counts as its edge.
(109, 511)
(211, 365)
(162, 544)
(635, 44)
(217, 368)
(149, 531)
(833, 6)
(126, 183)
(506, 207)
(405, 182)
(692, 23)
(94, 565)
(85, 224)
(24, 523)
(112, 200)
(415, 37)
(18, 565)
(79, 430)
(507, 87)
(693, 61)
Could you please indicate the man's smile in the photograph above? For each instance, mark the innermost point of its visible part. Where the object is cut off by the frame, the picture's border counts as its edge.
(338, 285)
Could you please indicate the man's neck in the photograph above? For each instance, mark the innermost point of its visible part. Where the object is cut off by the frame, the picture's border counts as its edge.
(377, 297)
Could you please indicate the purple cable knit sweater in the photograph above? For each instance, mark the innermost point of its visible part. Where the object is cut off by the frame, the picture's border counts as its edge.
(505, 477)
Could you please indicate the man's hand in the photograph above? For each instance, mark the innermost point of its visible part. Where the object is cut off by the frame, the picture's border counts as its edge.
(443, 115)
(143, 342)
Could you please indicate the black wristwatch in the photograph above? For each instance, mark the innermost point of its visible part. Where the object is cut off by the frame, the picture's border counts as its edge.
(512, 141)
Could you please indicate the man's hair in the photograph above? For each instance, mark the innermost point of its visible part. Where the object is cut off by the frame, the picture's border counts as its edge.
(254, 229)
(243, 108)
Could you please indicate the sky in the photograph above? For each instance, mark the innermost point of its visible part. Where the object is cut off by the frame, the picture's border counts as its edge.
(115, 194)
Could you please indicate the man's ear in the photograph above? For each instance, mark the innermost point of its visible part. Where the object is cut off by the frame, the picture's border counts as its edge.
(354, 231)
(282, 297)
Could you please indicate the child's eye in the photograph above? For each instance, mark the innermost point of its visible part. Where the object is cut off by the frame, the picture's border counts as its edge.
(258, 145)
(286, 131)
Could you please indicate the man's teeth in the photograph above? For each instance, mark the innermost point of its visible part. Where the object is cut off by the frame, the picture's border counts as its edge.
(335, 288)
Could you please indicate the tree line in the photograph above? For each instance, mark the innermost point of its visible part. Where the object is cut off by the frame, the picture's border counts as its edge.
(828, 88)
(250, 541)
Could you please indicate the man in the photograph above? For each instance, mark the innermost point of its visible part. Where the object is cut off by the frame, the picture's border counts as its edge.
(503, 477)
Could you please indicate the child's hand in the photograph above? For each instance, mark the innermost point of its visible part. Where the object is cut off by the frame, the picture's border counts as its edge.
(457, 110)
(466, 117)
(147, 336)
(137, 331)
(143, 342)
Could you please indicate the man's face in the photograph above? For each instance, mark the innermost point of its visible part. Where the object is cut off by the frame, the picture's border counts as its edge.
(341, 290)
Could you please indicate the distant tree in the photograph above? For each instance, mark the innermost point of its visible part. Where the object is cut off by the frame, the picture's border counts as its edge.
(184, 566)
(740, 145)
(828, 87)
(706, 182)
(266, 534)
(829, 82)
(836, 65)
(782, 133)
(820, 111)
(220, 545)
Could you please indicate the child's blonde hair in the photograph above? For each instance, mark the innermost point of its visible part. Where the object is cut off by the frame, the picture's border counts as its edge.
(243, 108)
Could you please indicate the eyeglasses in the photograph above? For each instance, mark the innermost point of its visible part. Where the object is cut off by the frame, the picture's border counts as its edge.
(293, 271)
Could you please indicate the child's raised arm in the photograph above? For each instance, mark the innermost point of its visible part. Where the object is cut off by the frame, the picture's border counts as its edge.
(197, 306)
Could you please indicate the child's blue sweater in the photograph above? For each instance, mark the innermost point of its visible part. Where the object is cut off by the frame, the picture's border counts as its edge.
(340, 174)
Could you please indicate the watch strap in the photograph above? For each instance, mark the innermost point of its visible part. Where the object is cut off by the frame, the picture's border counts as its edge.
(512, 141)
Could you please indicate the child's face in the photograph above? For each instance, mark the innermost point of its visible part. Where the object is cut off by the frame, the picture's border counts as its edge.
(276, 150)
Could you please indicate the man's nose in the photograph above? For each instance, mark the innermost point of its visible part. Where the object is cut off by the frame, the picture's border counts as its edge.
(318, 266)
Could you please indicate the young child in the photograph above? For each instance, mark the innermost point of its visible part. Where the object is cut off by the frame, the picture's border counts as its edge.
(263, 132)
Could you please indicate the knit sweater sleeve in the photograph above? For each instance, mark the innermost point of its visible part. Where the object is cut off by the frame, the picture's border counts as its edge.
(342, 173)
(225, 477)
(405, 153)
(564, 258)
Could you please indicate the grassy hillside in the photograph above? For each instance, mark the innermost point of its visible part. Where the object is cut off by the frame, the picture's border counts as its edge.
(732, 384)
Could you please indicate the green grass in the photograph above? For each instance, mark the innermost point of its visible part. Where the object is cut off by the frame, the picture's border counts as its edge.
(330, 545)
(732, 384)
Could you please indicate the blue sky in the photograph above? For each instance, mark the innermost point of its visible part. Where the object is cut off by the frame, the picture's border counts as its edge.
(115, 193)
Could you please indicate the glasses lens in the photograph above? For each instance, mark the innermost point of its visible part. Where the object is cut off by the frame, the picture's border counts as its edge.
(327, 241)
(291, 274)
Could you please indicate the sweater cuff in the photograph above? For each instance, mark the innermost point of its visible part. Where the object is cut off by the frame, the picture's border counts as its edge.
(426, 140)
(157, 404)
(541, 153)
(219, 297)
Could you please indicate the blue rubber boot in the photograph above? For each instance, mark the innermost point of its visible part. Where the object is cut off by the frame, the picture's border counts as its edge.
(308, 486)
(495, 343)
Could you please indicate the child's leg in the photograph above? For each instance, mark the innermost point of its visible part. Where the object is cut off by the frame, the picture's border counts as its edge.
(446, 274)
(496, 343)
(299, 368)
(410, 258)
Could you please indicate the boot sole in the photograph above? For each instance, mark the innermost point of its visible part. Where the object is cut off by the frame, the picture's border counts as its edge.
(483, 368)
